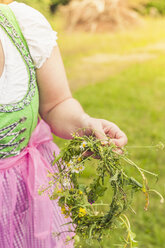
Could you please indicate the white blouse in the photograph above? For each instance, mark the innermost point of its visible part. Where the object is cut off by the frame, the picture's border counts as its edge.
(40, 39)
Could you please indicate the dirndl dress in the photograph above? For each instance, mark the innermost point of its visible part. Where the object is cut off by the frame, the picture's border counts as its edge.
(27, 219)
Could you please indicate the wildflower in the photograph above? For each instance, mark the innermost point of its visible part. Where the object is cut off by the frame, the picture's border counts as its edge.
(75, 170)
(66, 182)
(67, 216)
(69, 164)
(59, 190)
(80, 192)
(78, 169)
(63, 210)
(81, 168)
(82, 212)
(83, 145)
(79, 159)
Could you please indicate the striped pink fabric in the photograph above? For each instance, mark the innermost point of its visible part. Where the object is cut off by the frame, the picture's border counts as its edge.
(17, 218)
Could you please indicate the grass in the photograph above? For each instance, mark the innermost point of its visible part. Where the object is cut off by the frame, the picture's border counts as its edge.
(131, 94)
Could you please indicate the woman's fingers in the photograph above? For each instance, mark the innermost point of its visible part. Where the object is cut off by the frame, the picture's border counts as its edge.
(102, 129)
(95, 128)
(99, 133)
(117, 136)
(120, 142)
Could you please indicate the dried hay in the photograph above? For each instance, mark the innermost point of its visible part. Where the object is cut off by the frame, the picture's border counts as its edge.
(6, 1)
(99, 15)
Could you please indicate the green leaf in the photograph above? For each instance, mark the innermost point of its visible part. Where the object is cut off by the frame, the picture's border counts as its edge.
(115, 177)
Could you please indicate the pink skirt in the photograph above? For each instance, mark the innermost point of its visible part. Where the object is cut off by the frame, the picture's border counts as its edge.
(27, 219)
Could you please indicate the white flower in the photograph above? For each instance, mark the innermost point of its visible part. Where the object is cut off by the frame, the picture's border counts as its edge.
(83, 145)
(81, 168)
(69, 164)
(74, 170)
(78, 168)
(66, 182)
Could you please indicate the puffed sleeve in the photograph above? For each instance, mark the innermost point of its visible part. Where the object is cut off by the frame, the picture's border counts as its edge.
(40, 36)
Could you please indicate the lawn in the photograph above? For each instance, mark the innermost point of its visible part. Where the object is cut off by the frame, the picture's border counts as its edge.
(121, 77)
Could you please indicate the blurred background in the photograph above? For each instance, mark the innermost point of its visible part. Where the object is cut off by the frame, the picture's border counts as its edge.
(114, 55)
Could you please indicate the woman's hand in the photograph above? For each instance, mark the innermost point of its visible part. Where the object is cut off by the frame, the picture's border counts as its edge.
(103, 130)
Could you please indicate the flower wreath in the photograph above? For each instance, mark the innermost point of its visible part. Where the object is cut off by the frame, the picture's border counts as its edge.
(90, 216)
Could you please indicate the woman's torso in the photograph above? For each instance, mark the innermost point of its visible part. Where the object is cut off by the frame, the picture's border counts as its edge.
(19, 93)
(18, 88)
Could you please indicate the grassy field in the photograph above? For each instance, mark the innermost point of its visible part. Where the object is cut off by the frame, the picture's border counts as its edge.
(121, 77)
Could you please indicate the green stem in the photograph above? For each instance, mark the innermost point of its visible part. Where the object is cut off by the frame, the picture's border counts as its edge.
(155, 191)
(127, 225)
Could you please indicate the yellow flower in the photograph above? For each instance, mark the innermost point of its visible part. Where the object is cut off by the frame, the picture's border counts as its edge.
(103, 143)
(68, 164)
(81, 168)
(63, 210)
(59, 191)
(80, 192)
(67, 216)
(83, 145)
(82, 212)
(79, 159)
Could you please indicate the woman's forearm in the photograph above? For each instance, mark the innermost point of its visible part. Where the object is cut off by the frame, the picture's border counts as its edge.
(63, 113)
(65, 118)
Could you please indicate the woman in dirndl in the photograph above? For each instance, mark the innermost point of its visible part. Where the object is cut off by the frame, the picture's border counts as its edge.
(33, 82)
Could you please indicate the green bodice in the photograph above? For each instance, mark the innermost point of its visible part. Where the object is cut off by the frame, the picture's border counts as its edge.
(18, 120)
